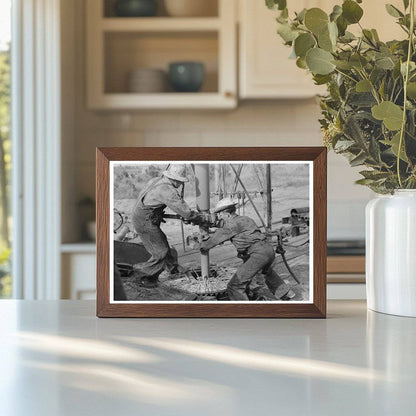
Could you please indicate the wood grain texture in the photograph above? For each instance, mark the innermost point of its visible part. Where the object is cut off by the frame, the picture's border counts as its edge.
(317, 309)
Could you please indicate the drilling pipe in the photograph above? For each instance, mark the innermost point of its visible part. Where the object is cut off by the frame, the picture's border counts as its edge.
(202, 202)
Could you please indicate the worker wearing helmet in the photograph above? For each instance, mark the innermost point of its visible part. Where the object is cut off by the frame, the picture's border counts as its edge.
(251, 244)
(147, 216)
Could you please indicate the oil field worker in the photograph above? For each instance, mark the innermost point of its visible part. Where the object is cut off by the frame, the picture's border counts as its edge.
(251, 244)
(148, 212)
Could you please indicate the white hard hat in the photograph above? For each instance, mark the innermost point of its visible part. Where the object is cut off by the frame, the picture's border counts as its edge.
(224, 204)
(176, 172)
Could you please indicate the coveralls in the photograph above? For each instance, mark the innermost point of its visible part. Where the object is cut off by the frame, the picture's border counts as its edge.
(256, 252)
(147, 216)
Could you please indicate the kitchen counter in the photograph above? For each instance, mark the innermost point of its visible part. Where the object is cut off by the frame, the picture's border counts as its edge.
(57, 358)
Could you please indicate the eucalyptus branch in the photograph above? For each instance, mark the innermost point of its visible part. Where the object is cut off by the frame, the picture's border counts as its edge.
(406, 79)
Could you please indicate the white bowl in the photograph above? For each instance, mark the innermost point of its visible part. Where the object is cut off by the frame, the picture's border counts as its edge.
(191, 8)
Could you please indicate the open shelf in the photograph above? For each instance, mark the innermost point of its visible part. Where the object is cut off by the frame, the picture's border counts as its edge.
(116, 46)
(127, 51)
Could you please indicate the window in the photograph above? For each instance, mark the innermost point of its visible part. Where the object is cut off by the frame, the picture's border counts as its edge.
(5, 144)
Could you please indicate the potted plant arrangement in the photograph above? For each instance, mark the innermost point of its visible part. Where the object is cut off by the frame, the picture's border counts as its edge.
(368, 116)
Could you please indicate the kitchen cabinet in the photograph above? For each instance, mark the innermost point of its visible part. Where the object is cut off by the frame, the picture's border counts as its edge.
(265, 70)
(78, 263)
(118, 45)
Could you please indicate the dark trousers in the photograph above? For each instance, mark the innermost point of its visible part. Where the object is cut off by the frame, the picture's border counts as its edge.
(260, 256)
(156, 243)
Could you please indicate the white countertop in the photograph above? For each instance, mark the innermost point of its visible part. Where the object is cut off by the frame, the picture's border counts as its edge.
(56, 358)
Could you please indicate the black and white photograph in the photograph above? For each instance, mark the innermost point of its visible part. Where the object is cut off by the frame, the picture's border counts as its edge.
(211, 232)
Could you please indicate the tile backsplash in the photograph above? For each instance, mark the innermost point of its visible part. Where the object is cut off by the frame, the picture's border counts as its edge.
(271, 123)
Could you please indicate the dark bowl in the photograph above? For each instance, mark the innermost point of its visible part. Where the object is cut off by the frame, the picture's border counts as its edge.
(135, 8)
(186, 76)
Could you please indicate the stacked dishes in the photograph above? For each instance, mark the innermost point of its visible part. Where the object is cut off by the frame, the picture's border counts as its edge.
(147, 80)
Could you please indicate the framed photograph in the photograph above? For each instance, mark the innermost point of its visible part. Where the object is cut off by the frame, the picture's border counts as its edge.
(211, 232)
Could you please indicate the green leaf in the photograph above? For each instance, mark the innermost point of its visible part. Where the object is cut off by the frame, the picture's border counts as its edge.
(342, 25)
(375, 35)
(316, 20)
(364, 181)
(325, 43)
(300, 17)
(374, 150)
(393, 11)
(276, 4)
(347, 37)
(374, 175)
(351, 11)
(301, 63)
(390, 113)
(363, 86)
(385, 63)
(321, 79)
(368, 36)
(412, 67)
(333, 32)
(303, 43)
(411, 90)
(361, 99)
(286, 32)
(336, 12)
(341, 64)
(394, 144)
(343, 145)
(358, 160)
(358, 61)
(319, 61)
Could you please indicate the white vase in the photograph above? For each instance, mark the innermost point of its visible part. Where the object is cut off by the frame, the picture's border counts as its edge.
(391, 253)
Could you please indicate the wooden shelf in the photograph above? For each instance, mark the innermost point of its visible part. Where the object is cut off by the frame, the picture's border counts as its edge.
(159, 24)
(163, 101)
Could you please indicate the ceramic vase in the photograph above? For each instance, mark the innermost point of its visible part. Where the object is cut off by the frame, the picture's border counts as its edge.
(391, 253)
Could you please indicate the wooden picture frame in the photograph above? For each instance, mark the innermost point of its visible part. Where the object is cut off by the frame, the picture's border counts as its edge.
(315, 308)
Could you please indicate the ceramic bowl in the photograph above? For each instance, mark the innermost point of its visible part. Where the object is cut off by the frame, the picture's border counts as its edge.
(186, 76)
(135, 8)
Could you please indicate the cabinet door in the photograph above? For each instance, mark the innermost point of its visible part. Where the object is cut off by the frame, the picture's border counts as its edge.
(265, 68)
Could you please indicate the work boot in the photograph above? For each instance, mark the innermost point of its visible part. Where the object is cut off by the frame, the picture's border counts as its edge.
(282, 290)
(149, 282)
(289, 295)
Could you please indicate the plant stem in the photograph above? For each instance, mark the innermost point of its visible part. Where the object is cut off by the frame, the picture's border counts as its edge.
(345, 75)
(406, 79)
